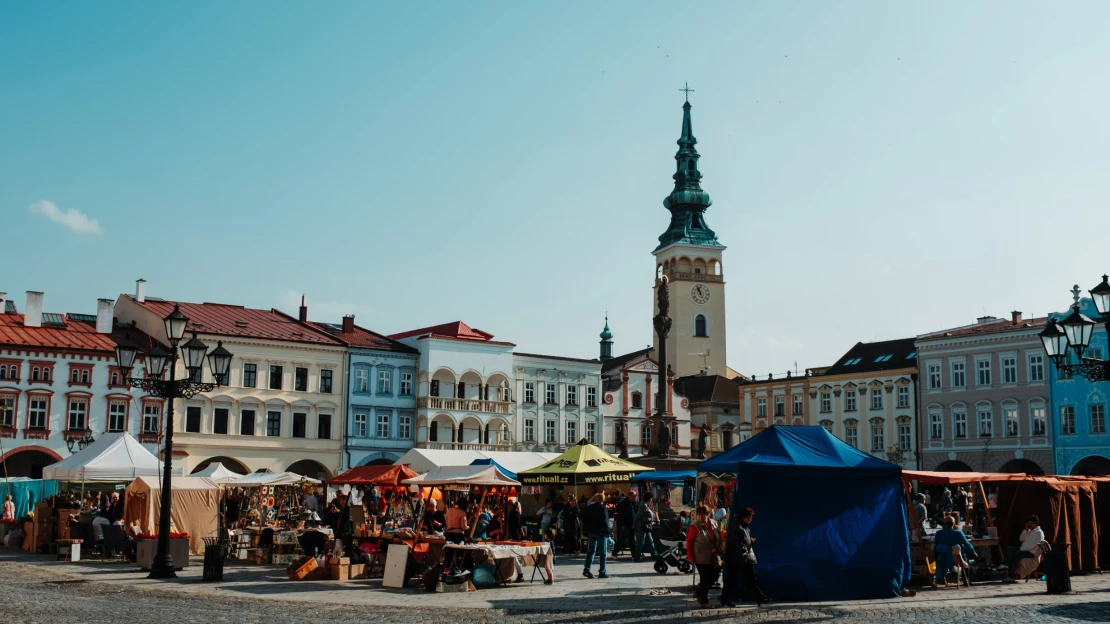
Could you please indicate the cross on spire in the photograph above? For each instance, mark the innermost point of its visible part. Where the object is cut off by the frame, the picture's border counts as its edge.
(687, 90)
(1075, 290)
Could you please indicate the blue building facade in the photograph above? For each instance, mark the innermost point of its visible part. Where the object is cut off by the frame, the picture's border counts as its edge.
(380, 406)
(1081, 444)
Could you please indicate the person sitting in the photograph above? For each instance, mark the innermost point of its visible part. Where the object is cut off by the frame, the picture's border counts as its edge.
(434, 520)
(1030, 538)
(949, 544)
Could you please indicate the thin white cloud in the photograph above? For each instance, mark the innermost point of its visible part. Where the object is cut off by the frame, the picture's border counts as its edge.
(326, 311)
(73, 219)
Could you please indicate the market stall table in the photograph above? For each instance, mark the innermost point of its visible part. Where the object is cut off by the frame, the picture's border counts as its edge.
(504, 556)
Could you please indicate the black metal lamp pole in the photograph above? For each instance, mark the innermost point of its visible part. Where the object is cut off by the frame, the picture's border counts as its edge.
(1075, 331)
(194, 351)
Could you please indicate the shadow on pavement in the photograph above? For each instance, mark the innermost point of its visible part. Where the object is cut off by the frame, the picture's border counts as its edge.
(1083, 612)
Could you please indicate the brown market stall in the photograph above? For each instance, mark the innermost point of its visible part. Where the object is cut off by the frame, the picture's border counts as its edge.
(1067, 509)
(194, 509)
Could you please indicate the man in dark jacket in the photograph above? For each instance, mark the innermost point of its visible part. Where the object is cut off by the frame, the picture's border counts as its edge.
(595, 524)
(740, 558)
(626, 523)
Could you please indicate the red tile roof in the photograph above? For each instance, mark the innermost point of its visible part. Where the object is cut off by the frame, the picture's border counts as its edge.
(991, 327)
(365, 338)
(77, 334)
(233, 320)
(457, 330)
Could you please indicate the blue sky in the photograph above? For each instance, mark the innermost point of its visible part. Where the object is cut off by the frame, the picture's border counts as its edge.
(878, 169)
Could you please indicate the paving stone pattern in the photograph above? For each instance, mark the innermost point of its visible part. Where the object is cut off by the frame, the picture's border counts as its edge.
(38, 589)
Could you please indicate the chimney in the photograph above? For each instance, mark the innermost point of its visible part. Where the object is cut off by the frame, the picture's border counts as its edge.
(140, 290)
(3, 303)
(1016, 317)
(349, 324)
(32, 315)
(105, 309)
(304, 311)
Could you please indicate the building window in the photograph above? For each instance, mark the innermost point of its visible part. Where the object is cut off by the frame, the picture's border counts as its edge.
(113, 380)
(117, 416)
(572, 432)
(273, 424)
(275, 377)
(827, 425)
(250, 375)
(904, 437)
(936, 426)
(529, 392)
(85, 377)
(246, 422)
(196, 375)
(549, 431)
(1010, 421)
(591, 396)
(360, 425)
(7, 411)
(591, 432)
(323, 426)
(1036, 368)
(645, 434)
(876, 399)
(325, 382)
(78, 411)
(34, 373)
(300, 425)
(849, 400)
(152, 418)
(362, 380)
(219, 420)
(761, 408)
(959, 374)
(300, 379)
(959, 424)
(382, 424)
(3, 371)
(826, 402)
(877, 441)
(726, 438)
(903, 396)
(36, 414)
(637, 400)
(385, 382)
(797, 405)
(1037, 416)
(780, 406)
(460, 390)
(851, 435)
(1009, 370)
(572, 394)
(934, 376)
(1067, 420)
(986, 422)
(74, 375)
(529, 430)
(192, 419)
(700, 328)
(551, 397)
(983, 372)
(406, 384)
(404, 426)
(1098, 418)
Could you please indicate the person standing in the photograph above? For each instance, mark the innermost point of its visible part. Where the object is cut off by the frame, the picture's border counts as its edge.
(512, 522)
(645, 518)
(311, 503)
(920, 511)
(595, 522)
(703, 549)
(626, 522)
(570, 526)
(9, 508)
(959, 502)
(546, 516)
(740, 555)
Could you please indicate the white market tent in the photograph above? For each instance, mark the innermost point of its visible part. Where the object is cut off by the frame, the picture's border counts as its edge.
(259, 479)
(113, 458)
(424, 460)
(218, 473)
(462, 477)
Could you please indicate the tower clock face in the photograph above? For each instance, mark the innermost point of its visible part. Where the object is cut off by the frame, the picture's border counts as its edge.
(700, 293)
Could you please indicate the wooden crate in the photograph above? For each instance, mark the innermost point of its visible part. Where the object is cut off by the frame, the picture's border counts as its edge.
(301, 568)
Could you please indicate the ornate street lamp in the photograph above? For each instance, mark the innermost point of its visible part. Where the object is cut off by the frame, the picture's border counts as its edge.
(1075, 331)
(193, 353)
(83, 442)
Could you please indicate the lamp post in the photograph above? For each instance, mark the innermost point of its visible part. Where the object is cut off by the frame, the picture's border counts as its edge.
(1075, 331)
(83, 442)
(193, 352)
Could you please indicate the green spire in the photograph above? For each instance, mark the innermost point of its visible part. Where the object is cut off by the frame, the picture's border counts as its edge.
(687, 202)
(606, 342)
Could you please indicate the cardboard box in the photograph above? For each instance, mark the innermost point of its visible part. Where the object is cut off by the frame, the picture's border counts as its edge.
(340, 572)
(444, 588)
(357, 571)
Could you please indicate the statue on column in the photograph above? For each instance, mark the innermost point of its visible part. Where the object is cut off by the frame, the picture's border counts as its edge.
(703, 437)
(622, 444)
(662, 323)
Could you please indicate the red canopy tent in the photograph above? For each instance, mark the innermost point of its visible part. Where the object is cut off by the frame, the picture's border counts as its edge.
(373, 475)
(948, 478)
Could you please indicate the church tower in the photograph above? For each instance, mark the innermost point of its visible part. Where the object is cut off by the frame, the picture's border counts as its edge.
(606, 342)
(690, 256)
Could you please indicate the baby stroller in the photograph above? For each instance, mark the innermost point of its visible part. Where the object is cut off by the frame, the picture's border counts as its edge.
(671, 544)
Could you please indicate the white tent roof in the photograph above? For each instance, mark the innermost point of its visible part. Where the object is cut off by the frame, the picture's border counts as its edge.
(114, 457)
(423, 460)
(258, 479)
(465, 476)
(218, 473)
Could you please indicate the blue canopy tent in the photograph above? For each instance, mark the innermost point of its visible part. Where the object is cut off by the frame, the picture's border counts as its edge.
(830, 520)
(677, 477)
(486, 461)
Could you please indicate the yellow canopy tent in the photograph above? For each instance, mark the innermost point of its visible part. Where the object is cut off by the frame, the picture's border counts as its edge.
(582, 464)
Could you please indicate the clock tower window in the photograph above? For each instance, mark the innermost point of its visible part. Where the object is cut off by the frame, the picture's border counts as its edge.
(701, 329)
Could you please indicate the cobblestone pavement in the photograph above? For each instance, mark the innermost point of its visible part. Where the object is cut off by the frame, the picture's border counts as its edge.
(37, 589)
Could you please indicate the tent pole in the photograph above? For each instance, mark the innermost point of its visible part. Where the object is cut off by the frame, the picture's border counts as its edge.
(990, 521)
(420, 521)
